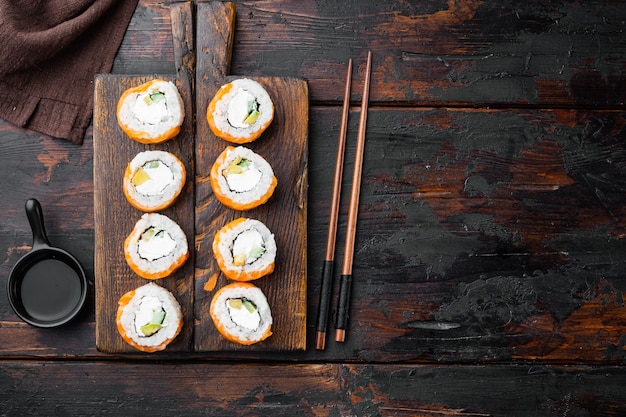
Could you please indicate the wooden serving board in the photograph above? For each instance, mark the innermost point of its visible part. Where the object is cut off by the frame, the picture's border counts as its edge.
(115, 217)
(284, 145)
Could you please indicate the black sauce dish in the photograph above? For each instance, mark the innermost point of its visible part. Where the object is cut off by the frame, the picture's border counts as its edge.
(47, 286)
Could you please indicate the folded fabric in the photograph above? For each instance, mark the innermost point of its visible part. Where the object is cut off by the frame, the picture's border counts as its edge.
(50, 53)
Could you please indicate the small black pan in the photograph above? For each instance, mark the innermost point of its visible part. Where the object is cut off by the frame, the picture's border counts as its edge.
(47, 287)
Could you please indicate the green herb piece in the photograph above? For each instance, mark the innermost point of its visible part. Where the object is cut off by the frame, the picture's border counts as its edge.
(158, 317)
(157, 97)
(249, 305)
(150, 329)
(257, 251)
(252, 112)
(238, 166)
(252, 117)
(252, 106)
(148, 234)
(152, 164)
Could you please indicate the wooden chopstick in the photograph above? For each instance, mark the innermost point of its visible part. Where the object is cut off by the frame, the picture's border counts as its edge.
(329, 257)
(343, 305)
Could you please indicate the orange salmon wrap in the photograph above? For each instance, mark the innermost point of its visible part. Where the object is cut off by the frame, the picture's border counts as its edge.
(245, 250)
(153, 180)
(152, 112)
(241, 313)
(240, 111)
(156, 247)
(242, 179)
(149, 318)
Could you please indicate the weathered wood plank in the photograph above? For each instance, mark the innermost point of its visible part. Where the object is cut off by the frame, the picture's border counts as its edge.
(435, 52)
(148, 46)
(488, 233)
(438, 52)
(200, 389)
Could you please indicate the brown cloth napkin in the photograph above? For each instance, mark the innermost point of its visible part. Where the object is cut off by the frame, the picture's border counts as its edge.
(50, 51)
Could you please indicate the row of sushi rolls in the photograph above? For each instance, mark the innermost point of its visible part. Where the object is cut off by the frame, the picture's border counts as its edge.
(149, 317)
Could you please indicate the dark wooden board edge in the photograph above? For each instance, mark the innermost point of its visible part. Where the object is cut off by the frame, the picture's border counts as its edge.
(285, 146)
(114, 217)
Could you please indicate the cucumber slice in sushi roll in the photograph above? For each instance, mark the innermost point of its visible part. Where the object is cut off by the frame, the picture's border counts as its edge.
(242, 179)
(241, 313)
(240, 111)
(153, 180)
(149, 318)
(245, 250)
(152, 112)
(156, 247)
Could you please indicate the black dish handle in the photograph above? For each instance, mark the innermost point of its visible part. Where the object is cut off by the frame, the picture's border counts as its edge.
(35, 218)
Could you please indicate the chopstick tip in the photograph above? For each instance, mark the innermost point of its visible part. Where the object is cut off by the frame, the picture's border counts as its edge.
(320, 340)
(340, 335)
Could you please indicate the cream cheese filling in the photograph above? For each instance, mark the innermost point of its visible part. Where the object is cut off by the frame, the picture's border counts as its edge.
(238, 108)
(244, 181)
(157, 246)
(148, 112)
(248, 246)
(145, 313)
(242, 317)
(160, 176)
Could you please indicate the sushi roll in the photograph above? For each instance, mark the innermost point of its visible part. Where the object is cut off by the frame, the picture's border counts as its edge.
(241, 313)
(149, 318)
(240, 111)
(242, 179)
(156, 247)
(245, 250)
(153, 180)
(152, 112)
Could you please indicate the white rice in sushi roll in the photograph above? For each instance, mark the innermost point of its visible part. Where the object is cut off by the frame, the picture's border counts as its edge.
(245, 249)
(241, 313)
(240, 111)
(152, 112)
(156, 247)
(149, 317)
(153, 180)
(242, 179)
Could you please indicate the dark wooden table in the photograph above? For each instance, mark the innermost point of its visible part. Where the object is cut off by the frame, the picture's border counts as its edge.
(490, 257)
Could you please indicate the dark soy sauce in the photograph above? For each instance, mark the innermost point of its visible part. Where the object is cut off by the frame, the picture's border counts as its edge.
(50, 290)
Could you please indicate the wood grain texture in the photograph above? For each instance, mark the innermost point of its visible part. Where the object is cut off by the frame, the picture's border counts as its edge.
(427, 53)
(285, 146)
(470, 53)
(488, 233)
(200, 389)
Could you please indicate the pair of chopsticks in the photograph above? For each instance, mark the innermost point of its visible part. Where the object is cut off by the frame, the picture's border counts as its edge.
(343, 304)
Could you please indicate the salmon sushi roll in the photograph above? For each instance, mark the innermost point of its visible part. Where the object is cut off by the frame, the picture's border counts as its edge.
(242, 179)
(152, 112)
(245, 250)
(149, 318)
(153, 180)
(156, 247)
(241, 313)
(240, 111)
